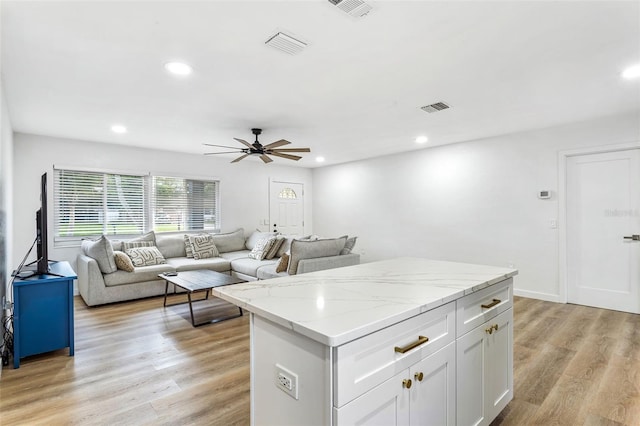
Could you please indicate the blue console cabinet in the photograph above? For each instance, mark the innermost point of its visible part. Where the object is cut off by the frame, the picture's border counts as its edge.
(43, 312)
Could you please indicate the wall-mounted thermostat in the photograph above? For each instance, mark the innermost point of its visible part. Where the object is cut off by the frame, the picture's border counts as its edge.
(544, 195)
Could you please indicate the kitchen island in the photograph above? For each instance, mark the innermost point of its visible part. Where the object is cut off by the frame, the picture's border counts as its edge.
(401, 341)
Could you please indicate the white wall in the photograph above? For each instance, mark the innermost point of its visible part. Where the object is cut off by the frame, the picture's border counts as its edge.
(244, 186)
(469, 202)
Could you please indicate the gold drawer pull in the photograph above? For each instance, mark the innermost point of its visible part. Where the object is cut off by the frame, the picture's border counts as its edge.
(406, 383)
(421, 340)
(491, 328)
(492, 304)
(418, 376)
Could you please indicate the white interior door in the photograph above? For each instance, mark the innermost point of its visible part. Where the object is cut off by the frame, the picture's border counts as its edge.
(603, 207)
(287, 208)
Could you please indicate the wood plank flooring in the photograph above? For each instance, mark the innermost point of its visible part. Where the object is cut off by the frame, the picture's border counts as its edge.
(141, 364)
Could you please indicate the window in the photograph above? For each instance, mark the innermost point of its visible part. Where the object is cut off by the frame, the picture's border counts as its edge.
(184, 204)
(287, 193)
(89, 203)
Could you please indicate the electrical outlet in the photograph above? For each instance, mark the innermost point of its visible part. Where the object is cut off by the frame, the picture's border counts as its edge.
(287, 381)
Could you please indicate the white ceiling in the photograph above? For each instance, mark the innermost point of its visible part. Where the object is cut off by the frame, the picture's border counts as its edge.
(72, 69)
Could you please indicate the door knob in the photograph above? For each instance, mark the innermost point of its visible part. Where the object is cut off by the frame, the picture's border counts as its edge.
(634, 237)
(418, 376)
(406, 383)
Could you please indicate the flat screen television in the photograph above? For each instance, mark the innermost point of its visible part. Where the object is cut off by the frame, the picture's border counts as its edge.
(41, 230)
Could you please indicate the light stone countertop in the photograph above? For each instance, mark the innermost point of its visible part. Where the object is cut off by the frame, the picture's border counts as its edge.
(337, 306)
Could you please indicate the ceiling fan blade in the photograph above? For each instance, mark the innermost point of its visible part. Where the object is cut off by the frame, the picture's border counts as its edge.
(242, 141)
(223, 152)
(276, 144)
(291, 150)
(240, 158)
(287, 156)
(266, 159)
(221, 146)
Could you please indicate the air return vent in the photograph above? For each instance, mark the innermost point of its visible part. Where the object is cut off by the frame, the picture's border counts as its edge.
(355, 8)
(438, 106)
(286, 43)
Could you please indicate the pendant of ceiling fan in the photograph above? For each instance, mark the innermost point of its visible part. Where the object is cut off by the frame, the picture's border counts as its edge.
(263, 151)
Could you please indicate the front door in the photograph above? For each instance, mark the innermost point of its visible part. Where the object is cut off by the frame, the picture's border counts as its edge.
(603, 207)
(287, 208)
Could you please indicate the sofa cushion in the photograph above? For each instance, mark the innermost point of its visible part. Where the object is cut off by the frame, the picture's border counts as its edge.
(202, 246)
(171, 245)
(149, 236)
(247, 266)
(232, 241)
(141, 274)
(232, 255)
(269, 271)
(123, 262)
(256, 236)
(145, 256)
(262, 247)
(313, 249)
(217, 264)
(102, 251)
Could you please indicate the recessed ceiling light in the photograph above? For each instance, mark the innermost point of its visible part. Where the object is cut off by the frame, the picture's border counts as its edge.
(422, 139)
(178, 68)
(118, 128)
(632, 72)
(320, 159)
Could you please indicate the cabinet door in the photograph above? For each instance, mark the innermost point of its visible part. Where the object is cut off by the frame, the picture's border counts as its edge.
(385, 405)
(484, 383)
(433, 394)
(499, 368)
(471, 356)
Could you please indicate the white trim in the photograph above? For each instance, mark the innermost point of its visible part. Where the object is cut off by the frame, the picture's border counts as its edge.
(537, 295)
(285, 181)
(562, 206)
(97, 170)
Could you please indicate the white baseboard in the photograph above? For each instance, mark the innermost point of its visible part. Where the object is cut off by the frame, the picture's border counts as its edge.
(537, 295)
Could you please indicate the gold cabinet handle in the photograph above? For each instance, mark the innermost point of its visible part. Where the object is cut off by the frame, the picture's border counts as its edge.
(406, 383)
(418, 376)
(491, 328)
(421, 340)
(492, 304)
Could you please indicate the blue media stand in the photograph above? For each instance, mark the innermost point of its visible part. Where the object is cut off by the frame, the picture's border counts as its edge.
(43, 312)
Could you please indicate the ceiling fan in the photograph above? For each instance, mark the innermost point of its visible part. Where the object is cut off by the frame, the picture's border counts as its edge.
(264, 151)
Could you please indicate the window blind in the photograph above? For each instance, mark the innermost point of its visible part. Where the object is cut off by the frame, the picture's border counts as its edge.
(180, 204)
(93, 203)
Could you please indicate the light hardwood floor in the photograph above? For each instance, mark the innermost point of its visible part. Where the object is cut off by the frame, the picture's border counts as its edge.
(138, 363)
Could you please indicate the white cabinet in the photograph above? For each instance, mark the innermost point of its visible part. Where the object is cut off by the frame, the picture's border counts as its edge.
(485, 370)
(423, 394)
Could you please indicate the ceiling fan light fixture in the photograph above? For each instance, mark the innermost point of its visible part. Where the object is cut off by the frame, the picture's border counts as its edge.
(285, 43)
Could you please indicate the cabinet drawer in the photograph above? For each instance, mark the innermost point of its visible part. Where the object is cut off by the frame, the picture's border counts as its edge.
(364, 363)
(481, 306)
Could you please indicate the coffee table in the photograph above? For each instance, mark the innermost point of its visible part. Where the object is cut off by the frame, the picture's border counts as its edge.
(198, 281)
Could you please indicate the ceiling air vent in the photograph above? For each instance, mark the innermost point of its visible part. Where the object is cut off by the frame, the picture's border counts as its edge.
(286, 43)
(438, 106)
(355, 8)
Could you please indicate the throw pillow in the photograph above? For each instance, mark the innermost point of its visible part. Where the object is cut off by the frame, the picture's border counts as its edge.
(203, 246)
(348, 246)
(123, 262)
(286, 245)
(149, 236)
(102, 252)
(313, 249)
(145, 256)
(275, 247)
(232, 241)
(283, 264)
(187, 246)
(136, 244)
(256, 236)
(261, 248)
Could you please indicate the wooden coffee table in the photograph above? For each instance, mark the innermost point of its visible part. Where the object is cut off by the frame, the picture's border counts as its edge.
(198, 281)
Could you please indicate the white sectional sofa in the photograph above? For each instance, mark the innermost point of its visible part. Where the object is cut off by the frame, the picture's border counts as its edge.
(98, 283)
